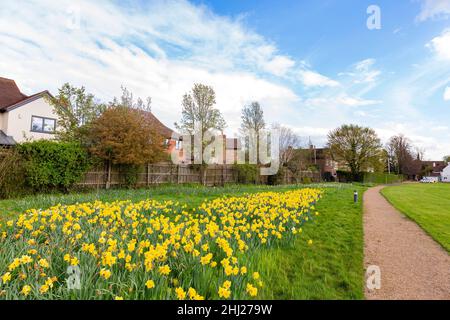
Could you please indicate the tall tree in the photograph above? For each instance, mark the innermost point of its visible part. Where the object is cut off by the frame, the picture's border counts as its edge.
(252, 118)
(401, 157)
(199, 116)
(252, 124)
(75, 109)
(357, 146)
(127, 100)
(447, 159)
(198, 113)
(289, 142)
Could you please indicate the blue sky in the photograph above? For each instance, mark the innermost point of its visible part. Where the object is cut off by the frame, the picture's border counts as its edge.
(313, 65)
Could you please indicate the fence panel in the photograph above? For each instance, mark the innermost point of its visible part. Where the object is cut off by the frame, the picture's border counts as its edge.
(166, 172)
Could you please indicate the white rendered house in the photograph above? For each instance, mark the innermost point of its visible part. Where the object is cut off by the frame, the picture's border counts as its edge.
(445, 174)
(23, 117)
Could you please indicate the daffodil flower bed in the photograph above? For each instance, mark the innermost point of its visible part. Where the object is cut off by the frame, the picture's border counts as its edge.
(149, 249)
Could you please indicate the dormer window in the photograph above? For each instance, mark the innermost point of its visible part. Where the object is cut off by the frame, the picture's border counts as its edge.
(43, 125)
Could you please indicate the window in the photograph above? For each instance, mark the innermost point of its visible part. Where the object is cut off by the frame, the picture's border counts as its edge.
(178, 145)
(43, 125)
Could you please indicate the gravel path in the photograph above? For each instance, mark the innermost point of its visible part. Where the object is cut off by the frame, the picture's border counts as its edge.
(412, 264)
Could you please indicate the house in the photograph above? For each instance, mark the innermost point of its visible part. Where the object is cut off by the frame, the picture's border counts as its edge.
(433, 168)
(24, 117)
(172, 140)
(322, 160)
(445, 174)
(230, 153)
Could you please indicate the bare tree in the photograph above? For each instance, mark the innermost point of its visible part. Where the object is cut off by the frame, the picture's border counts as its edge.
(127, 100)
(289, 142)
(401, 158)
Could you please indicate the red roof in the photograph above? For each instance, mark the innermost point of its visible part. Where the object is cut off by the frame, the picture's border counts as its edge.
(9, 93)
(11, 97)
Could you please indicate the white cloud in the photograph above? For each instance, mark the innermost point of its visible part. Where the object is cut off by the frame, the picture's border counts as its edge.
(158, 49)
(432, 9)
(440, 45)
(339, 101)
(447, 94)
(313, 79)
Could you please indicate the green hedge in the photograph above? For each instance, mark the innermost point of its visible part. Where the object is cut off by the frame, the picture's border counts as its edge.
(382, 178)
(51, 165)
(247, 173)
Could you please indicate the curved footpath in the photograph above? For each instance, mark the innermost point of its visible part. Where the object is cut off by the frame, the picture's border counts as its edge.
(412, 264)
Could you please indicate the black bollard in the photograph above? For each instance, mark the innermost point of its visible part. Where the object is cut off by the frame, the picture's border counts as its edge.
(355, 196)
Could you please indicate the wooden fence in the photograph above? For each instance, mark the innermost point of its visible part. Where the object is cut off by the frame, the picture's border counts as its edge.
(159, 173)
(166, 172)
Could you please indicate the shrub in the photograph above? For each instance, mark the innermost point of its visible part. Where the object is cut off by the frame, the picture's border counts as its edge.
(247, 173)
(130, 175)
(12, 174)
(306, 180)
(51, 165)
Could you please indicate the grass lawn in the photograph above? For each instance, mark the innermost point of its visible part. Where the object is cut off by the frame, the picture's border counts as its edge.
(427, 204)
(330, 268)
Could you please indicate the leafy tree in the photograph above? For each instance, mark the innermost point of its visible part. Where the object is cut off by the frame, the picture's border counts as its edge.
(199, 116)
(252, 125)
(125, 136)
(75, 109)
(198, 113)
(447, 159)
(358, 147)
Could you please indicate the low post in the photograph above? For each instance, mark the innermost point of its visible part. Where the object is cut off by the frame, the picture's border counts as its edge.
(355, 196)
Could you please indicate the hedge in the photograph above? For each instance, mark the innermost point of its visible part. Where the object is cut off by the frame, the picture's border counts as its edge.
(51, 165)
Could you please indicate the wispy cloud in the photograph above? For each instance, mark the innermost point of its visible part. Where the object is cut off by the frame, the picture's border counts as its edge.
(311, 78)
(159, 48)
(434, 9)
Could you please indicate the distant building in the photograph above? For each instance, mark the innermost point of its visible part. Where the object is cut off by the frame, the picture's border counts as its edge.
(322, 160)
(433, 168)
(445, 174)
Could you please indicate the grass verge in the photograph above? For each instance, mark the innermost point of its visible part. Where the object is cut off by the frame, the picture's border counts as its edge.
(426, 204)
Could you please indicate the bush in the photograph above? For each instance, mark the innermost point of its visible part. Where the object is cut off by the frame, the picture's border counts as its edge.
(306, 180)
(247, 173)
(130, 175)
(51, 165)
(12, 174)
